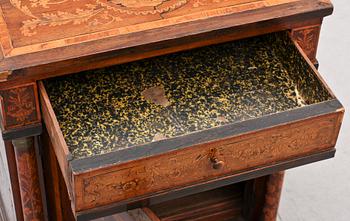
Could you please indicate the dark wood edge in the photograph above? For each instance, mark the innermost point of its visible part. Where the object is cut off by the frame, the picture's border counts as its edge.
(27, 131)
(312, 8)
(138, 152)
(209, 185)
(2, 112)
(39, 158)
(254, 198)
(316, 64)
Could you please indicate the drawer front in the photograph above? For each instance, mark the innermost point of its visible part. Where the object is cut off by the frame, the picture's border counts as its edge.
(205, 162)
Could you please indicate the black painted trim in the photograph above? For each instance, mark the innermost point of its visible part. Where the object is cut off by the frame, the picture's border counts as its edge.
(316, 64)
(32, 130)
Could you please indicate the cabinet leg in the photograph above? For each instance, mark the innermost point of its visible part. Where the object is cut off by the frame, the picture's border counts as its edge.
(28, 178)
(272, 197)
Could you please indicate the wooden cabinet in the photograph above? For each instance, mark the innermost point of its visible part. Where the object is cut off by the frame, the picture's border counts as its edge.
(146, 104)
(140, 129)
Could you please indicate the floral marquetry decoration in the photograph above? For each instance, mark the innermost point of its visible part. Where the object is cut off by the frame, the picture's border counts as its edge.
(142, 8)
(139, 3)
(307, 38)
(19, 106)
(97, 13)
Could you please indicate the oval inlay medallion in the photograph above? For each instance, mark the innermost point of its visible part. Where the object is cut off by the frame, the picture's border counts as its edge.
(143, 7)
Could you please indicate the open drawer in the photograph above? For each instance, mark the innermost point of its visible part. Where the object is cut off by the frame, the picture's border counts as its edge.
(239, 109)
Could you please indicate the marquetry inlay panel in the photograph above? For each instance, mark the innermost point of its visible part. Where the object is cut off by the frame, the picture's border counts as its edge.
(307, 38)
(193, 164)
(19, 106)
(44, 24)
(28, 179)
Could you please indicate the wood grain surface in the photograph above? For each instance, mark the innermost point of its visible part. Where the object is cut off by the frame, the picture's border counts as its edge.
(99, 181)
(130, 105)
(307, 38)
(49, 31)
(180, 168)
(28, 177)
(272, 198)
(221, 204)
(19, 107)
(36, 37)
(119, 17)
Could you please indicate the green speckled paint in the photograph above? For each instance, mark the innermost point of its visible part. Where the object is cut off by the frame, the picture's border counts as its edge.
(103, 110)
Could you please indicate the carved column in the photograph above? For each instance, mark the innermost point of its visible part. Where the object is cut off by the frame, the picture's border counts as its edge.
(272, 197)
(28, 178)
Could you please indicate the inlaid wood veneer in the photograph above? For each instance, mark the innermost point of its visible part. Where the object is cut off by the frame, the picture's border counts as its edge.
(277, 114)
(44, 32)
(140, 129)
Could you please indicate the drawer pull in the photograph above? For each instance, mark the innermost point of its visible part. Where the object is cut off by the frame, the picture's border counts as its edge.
(217, 164)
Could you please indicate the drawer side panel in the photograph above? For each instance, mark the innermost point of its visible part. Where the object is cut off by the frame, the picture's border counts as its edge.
(55, 134)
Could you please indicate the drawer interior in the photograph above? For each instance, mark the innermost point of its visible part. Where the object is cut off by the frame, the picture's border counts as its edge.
(119, 107)
(199, 118)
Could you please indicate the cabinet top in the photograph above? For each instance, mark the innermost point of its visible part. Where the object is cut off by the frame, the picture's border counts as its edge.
(36, 32)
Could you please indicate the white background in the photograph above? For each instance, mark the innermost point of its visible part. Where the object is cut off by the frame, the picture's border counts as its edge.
(321, 191)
